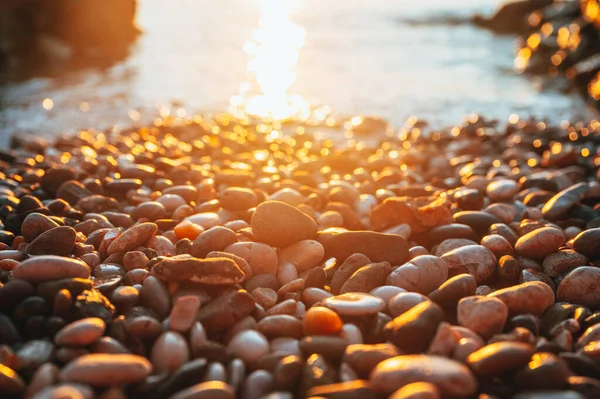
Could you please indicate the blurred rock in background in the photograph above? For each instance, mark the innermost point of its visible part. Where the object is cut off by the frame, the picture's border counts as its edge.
(45, 36)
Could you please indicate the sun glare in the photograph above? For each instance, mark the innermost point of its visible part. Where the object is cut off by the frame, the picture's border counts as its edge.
(274, 51)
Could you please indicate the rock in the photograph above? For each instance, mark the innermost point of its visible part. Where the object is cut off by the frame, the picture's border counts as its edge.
(223, 311)
(35, 353)
(249, 346)
(580, 287)
(97, 204)
(82, 332)
(279, 224)
(214, 239)
(317, 372)
(100, 370)
(484, 315)
(364, 358)
(183, 313)
(212, 271)
(259, 382)
(262, 280)
(413, 330)
(476, 260)
(417, 390)
(320, 320)
(304, 255)
(10, 382)
(451, 231)
(288, 372)
(35, 224)
(562, 262)
(558, 206)
(155, 296)
(451, 244)
(526, 298)
(238, 198)
(149, 210)
(495, 359)
(504, 231)
(132, 238)
(57, 241)
(405, 301)
(386, 292)
(265, 297)
(540, 243)
(498, 245)
(91, 303)
(50, 267)
(586, 243)
(169, 352)
(444, 341)
(135, 260)
(207, 390)
(401, 210)
(355, 304)
(511, 17)
(330, 347)
(367, 278)
(161, 245)
(453, 379)
(347, 269)
(262, 258)
(422, 274)
(75, 286)
(184, 377)
(72, 192)
(502, 190)
(545, 371)
(281, 325)
(455, 288)
(378, 247)
(479, 221)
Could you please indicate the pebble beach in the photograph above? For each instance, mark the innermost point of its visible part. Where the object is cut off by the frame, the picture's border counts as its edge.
(221, 258)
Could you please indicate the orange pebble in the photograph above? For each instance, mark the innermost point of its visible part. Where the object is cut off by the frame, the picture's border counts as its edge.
(319, 320)
(187, 229)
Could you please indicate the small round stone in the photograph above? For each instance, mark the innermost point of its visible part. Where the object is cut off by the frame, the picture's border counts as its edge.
(81, 332)
(540, 243)
(580, 287)
(249, 345)
(502, 190)
(484, 315)
(450, 377)
(321, 321)
(106, 369)
(354, 304)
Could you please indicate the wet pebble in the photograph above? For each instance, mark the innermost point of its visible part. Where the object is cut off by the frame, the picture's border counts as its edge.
(450, 377)
(540, 243)
(485, 316)
(580, 287)
(531, 297)
(50, 267)
(106, 369)
(279, 224)
(82, 332)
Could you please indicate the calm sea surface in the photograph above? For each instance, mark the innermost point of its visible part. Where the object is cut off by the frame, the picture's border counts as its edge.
(384, 57)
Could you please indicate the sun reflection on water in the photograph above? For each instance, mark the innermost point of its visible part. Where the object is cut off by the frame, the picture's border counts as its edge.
(274, 51)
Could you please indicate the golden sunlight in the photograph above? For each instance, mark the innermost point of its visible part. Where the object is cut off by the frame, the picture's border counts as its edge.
(274, 51)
